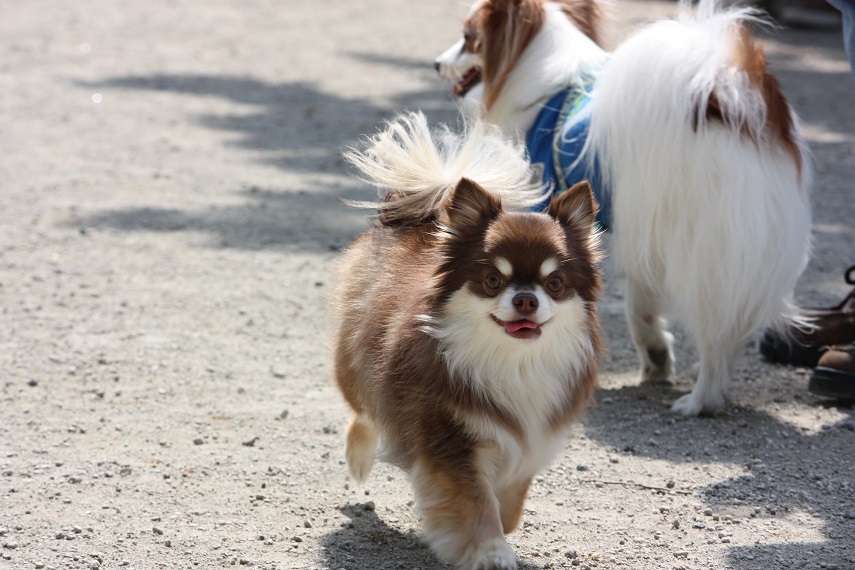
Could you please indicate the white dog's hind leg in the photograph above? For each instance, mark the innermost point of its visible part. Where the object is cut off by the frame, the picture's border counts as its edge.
(652, 340)
(708, 397)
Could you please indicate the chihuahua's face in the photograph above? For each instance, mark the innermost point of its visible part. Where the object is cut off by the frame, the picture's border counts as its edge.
(516, 277)
(521, 294)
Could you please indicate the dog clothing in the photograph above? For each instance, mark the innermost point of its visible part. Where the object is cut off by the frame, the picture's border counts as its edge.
(555, 142)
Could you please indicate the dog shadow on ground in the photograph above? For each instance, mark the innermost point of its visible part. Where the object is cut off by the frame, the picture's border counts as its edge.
(295, 127)
(368, 542)
(790, 471)
(314, 221)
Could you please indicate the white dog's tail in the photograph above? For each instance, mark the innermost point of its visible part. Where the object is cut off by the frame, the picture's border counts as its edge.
(708, 171)
(415, 170)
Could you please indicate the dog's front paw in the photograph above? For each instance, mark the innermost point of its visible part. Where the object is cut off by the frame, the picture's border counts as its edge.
(694, 405)
(497, 554)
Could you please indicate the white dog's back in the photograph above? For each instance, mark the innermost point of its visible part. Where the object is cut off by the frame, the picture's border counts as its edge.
(710, 181)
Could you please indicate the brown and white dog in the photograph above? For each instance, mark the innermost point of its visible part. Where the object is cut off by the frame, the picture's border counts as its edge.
(700, 156)
(467, 337)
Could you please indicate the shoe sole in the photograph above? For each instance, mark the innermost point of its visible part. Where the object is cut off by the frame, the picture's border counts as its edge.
(832, 383)
(777, 351)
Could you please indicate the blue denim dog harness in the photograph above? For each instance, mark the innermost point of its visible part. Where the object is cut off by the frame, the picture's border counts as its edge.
(555, 142)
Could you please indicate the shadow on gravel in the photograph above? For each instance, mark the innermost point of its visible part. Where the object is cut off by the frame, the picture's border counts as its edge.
(315, 221)
(825, 111)
(788, 471)
(368, 542)
(293, 126)
(299, 127)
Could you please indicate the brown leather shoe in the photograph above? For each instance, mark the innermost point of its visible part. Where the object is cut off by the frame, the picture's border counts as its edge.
(834, 326)
(834, 375)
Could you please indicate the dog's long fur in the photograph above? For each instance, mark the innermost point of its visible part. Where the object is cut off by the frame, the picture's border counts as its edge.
(467, 337)
(703, 155)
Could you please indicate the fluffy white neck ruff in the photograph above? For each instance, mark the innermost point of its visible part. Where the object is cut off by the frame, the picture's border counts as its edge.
(528, 377)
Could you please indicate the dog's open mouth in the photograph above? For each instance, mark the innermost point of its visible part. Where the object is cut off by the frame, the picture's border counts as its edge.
(470, 79)
(522, 328)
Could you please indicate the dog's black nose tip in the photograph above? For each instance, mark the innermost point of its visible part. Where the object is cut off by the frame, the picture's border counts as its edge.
(525, 303)
(436, 65)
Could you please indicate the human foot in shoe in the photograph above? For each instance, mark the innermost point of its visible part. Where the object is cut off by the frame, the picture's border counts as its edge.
(834, 375)
(832, 326)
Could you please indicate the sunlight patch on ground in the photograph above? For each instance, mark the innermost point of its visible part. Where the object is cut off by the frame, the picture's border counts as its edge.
(793, 57)
(816, 133)
(794, 415)
(798, 523)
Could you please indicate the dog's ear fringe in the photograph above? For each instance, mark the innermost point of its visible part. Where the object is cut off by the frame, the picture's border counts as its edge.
(415, 169)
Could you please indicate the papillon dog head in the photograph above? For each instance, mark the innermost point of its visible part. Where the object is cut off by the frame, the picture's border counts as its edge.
(497, 35)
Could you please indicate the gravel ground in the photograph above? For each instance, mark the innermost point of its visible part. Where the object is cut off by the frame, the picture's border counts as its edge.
(171, 181)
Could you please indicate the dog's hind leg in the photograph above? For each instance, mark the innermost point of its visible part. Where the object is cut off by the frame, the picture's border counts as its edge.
(708, 397)
(649, 333)
(361, 447)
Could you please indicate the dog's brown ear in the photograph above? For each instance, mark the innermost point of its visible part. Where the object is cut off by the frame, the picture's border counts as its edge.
(471, 207)
(575, 206)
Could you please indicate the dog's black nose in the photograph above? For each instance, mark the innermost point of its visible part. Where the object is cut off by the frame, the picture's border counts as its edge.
(525, 303)
(436, 65)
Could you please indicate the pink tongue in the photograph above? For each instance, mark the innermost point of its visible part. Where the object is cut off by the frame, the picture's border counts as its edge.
(520, 325)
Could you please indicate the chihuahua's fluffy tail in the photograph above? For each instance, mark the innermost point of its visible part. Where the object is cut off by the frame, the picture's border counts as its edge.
(416, 169)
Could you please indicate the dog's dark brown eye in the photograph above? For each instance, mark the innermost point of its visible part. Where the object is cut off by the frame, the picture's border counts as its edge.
(493, 282)
(555, 285)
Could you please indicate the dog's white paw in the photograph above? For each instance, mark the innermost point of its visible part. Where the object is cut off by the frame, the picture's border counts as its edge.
(497, 554)
(687, 405)
(694, 405)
